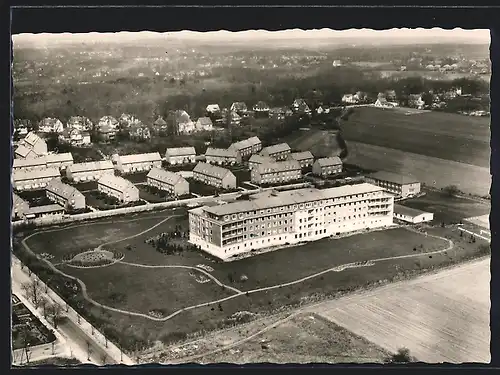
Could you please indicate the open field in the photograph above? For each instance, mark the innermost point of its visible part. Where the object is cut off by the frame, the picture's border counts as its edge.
(320, 142)
(306, 338)
(447, 209)
(435, 134)
(481, 221)
(442, 317)
(431, 171)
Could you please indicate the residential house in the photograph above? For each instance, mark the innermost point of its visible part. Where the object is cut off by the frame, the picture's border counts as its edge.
(160, 125)
(415, 101)
(222, 156)
(81, 123)
(280, 151)
(382, 102)
(261, 109)
(75, 137)
(277, 113)
(349, 99)
(89, 171)
(247, 147)
(305, 158)
(204, 124)
(235, 119)
(213, 175)
(256, 160)
(412, 215)
(139, 132)
(22, 127)
(61, 161)
(399, 185)
(49, 210)
(50, 125)
(390, 95)
(240, 108)
(180, 155)
(107, 129)
(127, 120)
(300, 106)
(32, 146)
(173, 183)
(360, 96)
(109, 121)
(213, 109)
(182, 122)
(65, 195)
(23, 180)
(327, 166)
(281, 172)
(119, 188)
(19, 207)
(137, 162)
(29, 164)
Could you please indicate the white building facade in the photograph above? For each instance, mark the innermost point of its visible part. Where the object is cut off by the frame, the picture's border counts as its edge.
(289, 217)
(119, 188)
(173, 183)
(180, 155)
(126, 164)
(90, 171)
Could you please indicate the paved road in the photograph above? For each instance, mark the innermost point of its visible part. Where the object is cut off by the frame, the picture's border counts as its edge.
(80, 340)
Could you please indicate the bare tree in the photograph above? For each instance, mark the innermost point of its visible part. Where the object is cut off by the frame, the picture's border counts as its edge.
(104, 358)
(55, 313)
(89, 350)
(44, 304)
(78, 318)
(32, 290)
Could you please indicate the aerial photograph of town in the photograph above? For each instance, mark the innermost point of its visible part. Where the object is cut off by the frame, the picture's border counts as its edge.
(293, 196)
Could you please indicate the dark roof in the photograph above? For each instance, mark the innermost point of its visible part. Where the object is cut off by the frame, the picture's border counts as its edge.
(160, 121)
(408, 211)
(393, 177)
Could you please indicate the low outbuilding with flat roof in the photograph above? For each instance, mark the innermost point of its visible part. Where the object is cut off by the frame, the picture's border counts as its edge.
(400, 185)
(412, 215)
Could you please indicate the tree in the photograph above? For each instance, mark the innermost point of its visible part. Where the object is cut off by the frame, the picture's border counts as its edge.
(104, 358)
(32, 290)
(401, 356)
(55, 311)
(451, 190)
(44, 304)
(89, 350)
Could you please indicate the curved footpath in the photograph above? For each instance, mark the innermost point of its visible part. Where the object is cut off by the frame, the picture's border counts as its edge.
(238, 293)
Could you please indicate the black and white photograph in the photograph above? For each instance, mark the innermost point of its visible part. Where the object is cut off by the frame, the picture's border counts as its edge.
(291, 196)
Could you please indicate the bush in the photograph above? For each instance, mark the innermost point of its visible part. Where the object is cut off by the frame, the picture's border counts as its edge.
(451, 190)
(401, 356)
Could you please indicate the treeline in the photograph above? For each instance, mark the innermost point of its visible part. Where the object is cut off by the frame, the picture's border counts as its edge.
(150, 97)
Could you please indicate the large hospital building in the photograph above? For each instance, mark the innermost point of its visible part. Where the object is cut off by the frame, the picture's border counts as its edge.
(272, 218)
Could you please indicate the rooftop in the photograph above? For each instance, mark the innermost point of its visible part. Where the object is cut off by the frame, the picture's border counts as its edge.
(55, 158)
(66, 191)
(273, 149)
(246, 143)
(23, 175)
(393, 177)
(34, 162)
(44, 209)
(221, 152)
(280, 166)
(168, 177)
(91, 166)
(302, 155)
(211, 170)
(140, 158)
(291, 197)
(180, 151)
(115, 182)
(326, 162)
(261, 159)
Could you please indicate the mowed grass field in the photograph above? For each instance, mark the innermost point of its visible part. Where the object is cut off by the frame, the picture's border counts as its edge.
(307, 338)
(441, 135)
(142, 290)
(448, 209)
(441, 318)
(431, 171)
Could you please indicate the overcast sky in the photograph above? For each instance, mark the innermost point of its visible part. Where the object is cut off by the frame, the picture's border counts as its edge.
(413, 35)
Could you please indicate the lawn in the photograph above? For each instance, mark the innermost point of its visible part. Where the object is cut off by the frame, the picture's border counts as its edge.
(441, 135)
(103, 202)
(81, 237)
(429, 170)
(447, 209)
(197, 187)
(144, 289)
(241, 174)
(136, 177)
(293, 263)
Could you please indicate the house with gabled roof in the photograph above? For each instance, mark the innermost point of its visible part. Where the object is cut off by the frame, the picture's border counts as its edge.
(239, 107)
(204, 124)
(89, 171)
(300, 106)
(37, 179)
(305, 158)
(180, 155)
(160, 124)
(256, 160)
(137, 162)
(119, 188)
(261, 109)
(61, 161)
(213, 109)
(222, 156)
(65, 195)
(173, 183)
(19, 207)
(247, 147)
(79, 122)
(327, 166)
(31, 146)
(127, 120)
(213, 175)
(280, 172)
(279, 151)
(139, 132)
(50, 125)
